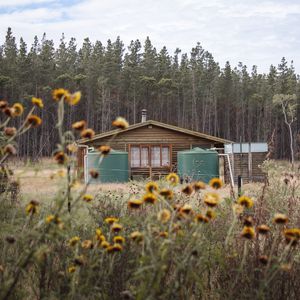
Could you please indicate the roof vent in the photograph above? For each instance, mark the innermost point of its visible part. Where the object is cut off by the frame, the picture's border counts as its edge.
(144, 115)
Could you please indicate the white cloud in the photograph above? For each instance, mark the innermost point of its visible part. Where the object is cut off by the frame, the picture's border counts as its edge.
(257, 32)
(10, 3)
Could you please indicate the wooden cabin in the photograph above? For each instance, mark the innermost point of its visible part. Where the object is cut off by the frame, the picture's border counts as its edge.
(152, 146)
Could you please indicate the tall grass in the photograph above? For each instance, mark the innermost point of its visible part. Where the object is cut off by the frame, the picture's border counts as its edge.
(157, 240)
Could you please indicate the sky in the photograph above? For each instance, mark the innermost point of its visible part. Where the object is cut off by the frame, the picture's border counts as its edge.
(254, 32)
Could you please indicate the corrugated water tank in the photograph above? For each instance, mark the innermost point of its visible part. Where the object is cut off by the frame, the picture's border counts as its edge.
(113, 167)
(198, 164)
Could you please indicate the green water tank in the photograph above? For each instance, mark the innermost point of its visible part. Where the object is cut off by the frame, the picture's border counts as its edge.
(198, 164)
(112, 168)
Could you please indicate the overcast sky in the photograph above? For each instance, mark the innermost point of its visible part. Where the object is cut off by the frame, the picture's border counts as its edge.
(256, 32)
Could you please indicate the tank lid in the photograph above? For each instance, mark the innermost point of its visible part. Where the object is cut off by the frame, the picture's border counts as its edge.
(199, 151)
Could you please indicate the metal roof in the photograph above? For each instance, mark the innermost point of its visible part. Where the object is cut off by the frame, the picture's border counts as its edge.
(159, 124)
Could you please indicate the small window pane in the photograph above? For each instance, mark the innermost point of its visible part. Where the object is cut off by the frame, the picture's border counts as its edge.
(155, 156)
(145, 157)
(165, 156)
(135, 156)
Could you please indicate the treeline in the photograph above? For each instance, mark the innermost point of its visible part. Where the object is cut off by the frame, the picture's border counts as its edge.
(188, 90)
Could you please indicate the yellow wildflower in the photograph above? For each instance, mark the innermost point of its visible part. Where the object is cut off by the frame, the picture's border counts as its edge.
(74, 98)
(263, 229)
(87, 244)
(201, 218)
(199, 185)
(136, 236)
(120, 123)
(151, 187)
(167, 194)
(58, 94)
(188, 190)
(79, 125)
(164, 216)
(104, 244)
(119, 239)
(71, 269)
(216, 183)
(73, 241)
(248, 232)
(280, 219)
(104, 149)
(111, 220)
(245, 201)
(32, 207)
(114, 248)
(149, 198)
(33, 121)
(38, 102)
(116, 227)
(18, 109)
(87, 198)
(211, 199)
(186, 209)
(135, 203)
(173, 178)
(87, 133)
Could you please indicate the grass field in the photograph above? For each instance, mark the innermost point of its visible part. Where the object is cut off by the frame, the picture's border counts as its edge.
(196, 244)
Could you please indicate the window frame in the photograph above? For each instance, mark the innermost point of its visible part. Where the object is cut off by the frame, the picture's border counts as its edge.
(149, 146)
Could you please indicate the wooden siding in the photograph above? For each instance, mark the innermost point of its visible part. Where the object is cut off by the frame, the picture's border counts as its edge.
(241, 166)
(151, 135)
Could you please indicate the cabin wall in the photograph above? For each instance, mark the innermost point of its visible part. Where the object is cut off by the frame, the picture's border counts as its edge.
(150, 135)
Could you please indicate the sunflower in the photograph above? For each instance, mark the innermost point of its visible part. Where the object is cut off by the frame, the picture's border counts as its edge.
(79, 125)
(245, 201)
(280, 219)
(74, 98)
(201, 218)
(33, 121)
(248, 232)
(73, 241)
(164, 216)
(199, 185)
(37, 102)
(119, 239)
(32, 207)
(18, 109)
(87, 133)
(149, 198)
(120, 123)
(58, 94)
(60, 157)
(216, 183)
(167, 194)
(172, 178)
(151, 187)
(111, 220)
(263, 229)
(104, 149)
(136, 236)
(87, 244)
(87, 198)
(135, 203)
(211, 199)
(116, 227)
(188, 190)
(114, 248)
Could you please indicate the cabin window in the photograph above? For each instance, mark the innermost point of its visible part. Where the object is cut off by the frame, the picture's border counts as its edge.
(146, 156)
